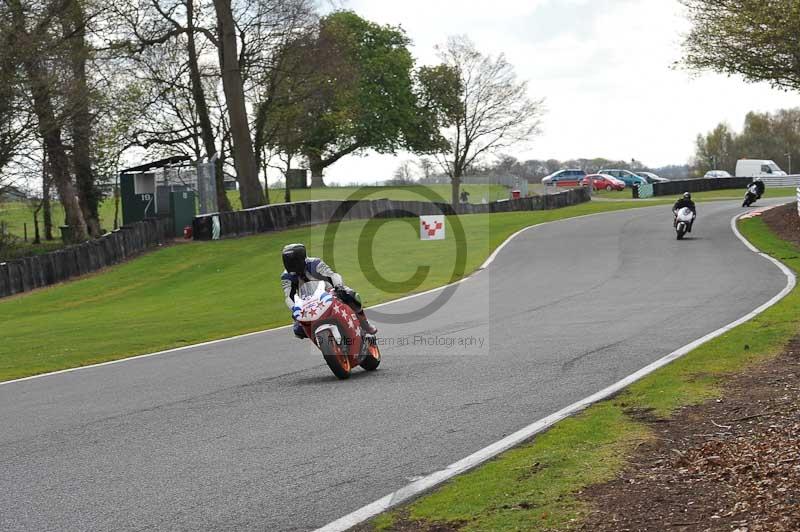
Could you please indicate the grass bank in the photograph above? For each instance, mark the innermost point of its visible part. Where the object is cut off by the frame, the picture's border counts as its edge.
(533, 486)
(198, 291)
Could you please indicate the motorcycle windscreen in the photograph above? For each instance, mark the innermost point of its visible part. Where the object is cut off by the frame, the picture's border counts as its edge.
(311, 289)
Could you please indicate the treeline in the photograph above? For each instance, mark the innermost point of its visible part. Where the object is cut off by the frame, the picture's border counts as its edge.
(774, 136)
(256, 84)
(532, 170)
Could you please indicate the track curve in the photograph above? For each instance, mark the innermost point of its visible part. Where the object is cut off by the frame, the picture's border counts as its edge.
(236, 435)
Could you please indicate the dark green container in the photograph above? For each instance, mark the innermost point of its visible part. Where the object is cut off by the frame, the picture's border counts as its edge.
(183, 209)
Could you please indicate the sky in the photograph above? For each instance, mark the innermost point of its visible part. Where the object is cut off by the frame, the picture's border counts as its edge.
(604, 67)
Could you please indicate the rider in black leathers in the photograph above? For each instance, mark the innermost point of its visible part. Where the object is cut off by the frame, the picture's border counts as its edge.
(760, 187)
(685, 201)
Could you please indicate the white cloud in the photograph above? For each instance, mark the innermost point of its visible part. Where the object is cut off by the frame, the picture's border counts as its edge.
(605, 68)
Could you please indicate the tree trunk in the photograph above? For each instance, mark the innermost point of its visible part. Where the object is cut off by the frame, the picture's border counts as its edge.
(47, 213)
(116, 203)
(49, 128)
(63, 182)
(455, 183)
(264, 165)
(36, 236)
(74, 27)
(287, 196)
(201, 105)
(317, 167)
(232, 85)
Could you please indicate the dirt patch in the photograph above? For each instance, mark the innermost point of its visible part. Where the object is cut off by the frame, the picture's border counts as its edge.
(784, 221)
(729, 464)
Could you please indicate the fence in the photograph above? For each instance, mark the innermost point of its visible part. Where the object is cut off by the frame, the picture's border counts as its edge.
(289, 215)
(782, 181)
(671, 188)
(23, 275)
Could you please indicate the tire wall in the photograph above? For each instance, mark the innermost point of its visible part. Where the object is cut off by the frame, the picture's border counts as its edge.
(278, 217)
(672, 188)
(22, 275)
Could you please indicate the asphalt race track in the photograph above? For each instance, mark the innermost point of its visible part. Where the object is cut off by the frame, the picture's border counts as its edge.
(256, 433)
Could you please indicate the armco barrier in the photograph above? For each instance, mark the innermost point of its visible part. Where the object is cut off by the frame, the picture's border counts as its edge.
(282, 216)
(672, 188)
(23, 275)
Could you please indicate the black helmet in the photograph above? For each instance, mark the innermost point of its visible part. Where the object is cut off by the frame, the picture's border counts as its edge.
(686, 195)
(294, 258)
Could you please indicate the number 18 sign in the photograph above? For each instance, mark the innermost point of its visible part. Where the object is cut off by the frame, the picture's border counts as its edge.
(431, 227)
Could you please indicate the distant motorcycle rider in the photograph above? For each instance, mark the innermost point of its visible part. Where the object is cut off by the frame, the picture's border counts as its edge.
(760, 187)
(684, 202)
(300, 269)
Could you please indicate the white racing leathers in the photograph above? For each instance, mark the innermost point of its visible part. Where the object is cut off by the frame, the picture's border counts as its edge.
(316, 270)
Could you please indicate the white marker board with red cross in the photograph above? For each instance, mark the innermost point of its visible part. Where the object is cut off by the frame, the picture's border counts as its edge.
(431, 227)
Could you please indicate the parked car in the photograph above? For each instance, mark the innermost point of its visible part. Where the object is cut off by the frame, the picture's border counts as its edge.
(652, 178)
(565, 178)
(757, 168)
(603, 182)
(716, 174)
(627, 176)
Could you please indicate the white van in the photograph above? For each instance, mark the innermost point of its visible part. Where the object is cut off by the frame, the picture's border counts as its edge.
(757, 168)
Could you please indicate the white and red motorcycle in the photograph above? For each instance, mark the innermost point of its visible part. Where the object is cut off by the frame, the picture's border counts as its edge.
(335, 329)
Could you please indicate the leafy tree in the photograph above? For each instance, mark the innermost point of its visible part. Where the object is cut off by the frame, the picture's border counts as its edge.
(716, 150)
(358, 93)
(754, 38)
(774, 136)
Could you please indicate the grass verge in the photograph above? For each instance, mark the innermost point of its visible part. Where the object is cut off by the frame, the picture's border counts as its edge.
(200, 291)
(533, 486)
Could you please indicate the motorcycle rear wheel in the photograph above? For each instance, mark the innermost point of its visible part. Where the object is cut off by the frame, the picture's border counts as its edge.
(335, 358)
(373, 358)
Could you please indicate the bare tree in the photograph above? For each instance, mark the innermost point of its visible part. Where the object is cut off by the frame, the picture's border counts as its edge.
(32, 35)
(166, 40)
(233, 85)
(246, 37)
(403, 174)
(483, 107)
(16, 121)
(73, 19)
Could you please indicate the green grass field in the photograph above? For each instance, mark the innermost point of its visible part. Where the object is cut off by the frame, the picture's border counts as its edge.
(534, 486)
(192, 292)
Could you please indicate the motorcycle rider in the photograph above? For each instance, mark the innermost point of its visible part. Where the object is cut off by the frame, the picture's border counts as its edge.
(760, 187)
(300, 269)
(685, 201)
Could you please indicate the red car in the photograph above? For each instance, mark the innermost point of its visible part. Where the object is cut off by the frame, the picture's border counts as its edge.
(603, 182)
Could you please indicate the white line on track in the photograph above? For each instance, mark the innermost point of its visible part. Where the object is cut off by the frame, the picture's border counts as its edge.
(425, 483)
(231, 338)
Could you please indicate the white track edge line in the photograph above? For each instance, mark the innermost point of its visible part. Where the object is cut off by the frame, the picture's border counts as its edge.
(425, 483)
(237, 337)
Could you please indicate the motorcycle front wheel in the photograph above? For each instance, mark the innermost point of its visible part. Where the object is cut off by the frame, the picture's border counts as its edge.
(334, 356)
(373, 358)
